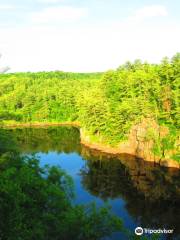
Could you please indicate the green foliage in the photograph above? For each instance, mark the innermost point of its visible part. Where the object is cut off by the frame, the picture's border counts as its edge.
(176, 157)
(36, 203)
(106, 105)
(42, 96)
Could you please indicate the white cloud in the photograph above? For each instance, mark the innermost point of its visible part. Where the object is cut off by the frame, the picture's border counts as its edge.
(58, 14)
(149, 12)
(6, 7)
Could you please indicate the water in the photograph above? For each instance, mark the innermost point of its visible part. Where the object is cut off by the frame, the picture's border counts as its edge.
(140, 193)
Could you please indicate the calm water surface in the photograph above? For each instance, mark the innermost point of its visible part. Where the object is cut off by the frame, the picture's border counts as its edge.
(140, 193)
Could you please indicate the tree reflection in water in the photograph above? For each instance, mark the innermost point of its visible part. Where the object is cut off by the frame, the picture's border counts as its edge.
(151, 192)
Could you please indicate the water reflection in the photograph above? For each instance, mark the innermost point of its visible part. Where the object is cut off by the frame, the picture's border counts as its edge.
(151, 193)
(44, 140)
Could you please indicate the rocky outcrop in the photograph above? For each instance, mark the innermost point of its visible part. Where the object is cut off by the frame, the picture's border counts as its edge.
(140, 143)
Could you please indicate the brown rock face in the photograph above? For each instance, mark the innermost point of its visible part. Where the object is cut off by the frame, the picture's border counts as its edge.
(139, 140)
(140, 143)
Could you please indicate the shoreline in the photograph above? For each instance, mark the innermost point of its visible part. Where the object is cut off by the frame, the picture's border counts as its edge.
(114, 151)
(95, 146)
(40, 124)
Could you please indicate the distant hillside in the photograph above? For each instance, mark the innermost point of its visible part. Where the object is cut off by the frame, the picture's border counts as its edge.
(137, 98)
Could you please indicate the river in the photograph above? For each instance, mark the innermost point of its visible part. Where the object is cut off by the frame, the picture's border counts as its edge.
(140, 193)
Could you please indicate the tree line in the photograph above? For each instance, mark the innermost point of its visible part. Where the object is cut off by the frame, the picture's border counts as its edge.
(106, 104)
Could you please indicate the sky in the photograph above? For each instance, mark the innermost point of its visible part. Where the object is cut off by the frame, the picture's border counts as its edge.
(86, 35)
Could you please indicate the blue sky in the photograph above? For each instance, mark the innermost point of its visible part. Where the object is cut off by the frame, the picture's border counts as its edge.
(85, 36)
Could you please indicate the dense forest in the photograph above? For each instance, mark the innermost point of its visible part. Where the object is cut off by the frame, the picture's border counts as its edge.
(106, 105)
